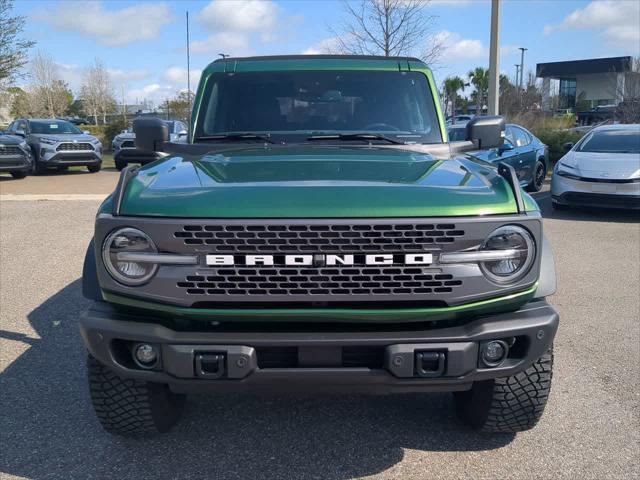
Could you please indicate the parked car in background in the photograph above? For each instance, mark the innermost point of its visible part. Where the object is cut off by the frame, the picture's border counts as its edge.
(76, 120)
(124, 148)
(459, 119)
(521, 149)
(600, 170)
(58, 144)
(15, 155)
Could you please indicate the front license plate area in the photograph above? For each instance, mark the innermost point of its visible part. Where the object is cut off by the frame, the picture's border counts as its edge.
(603, 188)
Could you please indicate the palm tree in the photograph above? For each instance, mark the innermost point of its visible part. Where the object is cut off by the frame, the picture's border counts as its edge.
(451, 87)
(479, 77)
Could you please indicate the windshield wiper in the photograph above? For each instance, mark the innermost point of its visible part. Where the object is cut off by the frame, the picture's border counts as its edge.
(355, 136)
(238, 137)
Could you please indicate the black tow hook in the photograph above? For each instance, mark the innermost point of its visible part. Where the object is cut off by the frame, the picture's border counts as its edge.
(429, 364)
(210, 365)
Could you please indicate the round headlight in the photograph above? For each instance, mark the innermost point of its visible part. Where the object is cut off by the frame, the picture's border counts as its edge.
(521, 248)
(128, 240)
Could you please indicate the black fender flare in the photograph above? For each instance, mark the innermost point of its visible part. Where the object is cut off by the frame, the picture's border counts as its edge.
(90, 285)
(547, 281)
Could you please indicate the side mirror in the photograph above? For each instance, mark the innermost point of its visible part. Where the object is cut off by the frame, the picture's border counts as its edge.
(567, 146)
(505, 147)
(487, 132)
(151, 133)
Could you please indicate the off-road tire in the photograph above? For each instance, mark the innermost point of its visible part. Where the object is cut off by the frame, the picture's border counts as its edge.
(94, 168)
(18, 175)
(510, 404)
(539, 175)
(131, 407)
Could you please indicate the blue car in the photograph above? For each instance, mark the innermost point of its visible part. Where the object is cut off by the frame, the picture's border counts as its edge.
(522, 150)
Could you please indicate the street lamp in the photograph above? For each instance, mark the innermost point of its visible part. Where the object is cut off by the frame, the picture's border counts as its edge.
(522, 50)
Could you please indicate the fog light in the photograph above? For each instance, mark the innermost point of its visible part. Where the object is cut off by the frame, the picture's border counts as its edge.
(145, 355)
(494, 353)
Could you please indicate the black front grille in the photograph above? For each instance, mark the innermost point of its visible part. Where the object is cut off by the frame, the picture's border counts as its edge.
(305, 281)
(328, 238)
(602, 199)
(128, 144)
(74, 147)
(10, 150)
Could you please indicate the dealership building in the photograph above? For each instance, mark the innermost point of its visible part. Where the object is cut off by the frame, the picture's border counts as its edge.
(584, 84)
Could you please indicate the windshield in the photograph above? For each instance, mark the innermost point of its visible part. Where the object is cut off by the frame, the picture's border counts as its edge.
(612, 141)
(397, 104)
(54, 126)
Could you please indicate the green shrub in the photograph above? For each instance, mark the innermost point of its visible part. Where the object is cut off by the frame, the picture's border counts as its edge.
(105, 133)
(555, 139)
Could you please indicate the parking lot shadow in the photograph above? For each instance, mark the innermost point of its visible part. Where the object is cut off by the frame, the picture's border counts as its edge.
(48, 429)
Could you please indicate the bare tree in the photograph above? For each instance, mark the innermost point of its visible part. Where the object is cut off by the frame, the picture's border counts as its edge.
(48, 93)
(388, 28)
(13, 48)
(97, 91)
(625, 90)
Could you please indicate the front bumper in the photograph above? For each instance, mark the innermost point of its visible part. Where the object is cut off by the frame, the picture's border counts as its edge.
(69, 158)
(572, 192)
(14, 163)
(323, 357)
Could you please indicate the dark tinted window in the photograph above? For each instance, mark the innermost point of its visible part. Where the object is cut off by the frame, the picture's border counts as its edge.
(288, 102)
(612, 141)
(53, 127)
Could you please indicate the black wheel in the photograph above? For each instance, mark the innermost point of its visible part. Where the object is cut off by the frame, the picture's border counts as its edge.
(510, 404)
(120, 165)
(36, 167)
(18, 175)
(130, 407)
(94, 168)
(539, 174)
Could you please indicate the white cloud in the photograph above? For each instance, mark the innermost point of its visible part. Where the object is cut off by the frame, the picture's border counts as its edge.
(235, 25)
(327, 45)
(115, 28)
(229, 43)
(455, 47)
(178, 76)
(239, 15)
(617, 21)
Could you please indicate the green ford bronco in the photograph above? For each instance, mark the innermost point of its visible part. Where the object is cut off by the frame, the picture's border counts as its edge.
(318, 233)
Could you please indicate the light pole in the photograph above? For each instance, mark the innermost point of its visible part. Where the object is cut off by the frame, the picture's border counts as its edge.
(522, 50)
(494, 59)
(517, 65)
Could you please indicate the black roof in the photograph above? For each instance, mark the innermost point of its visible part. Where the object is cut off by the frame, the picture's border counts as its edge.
(315, 57)
(581, 67)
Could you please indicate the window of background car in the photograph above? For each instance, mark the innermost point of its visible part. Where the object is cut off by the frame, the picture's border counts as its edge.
(612, 141)
(522, 138)
(53, 127)
(289, 102)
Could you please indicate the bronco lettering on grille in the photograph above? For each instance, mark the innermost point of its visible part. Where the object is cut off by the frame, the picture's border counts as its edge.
(321, 259)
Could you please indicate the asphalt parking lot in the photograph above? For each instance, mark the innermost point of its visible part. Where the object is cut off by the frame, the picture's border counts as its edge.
(591, 429)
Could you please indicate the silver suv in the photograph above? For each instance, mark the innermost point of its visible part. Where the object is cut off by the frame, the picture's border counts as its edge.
(58, 144)
(124, 148)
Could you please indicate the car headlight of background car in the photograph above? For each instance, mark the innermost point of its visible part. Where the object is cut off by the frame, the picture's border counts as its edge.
(565, 170)
(48, 141)
(120, 254)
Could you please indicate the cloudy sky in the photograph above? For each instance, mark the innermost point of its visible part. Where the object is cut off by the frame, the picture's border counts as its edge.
(143, 42)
